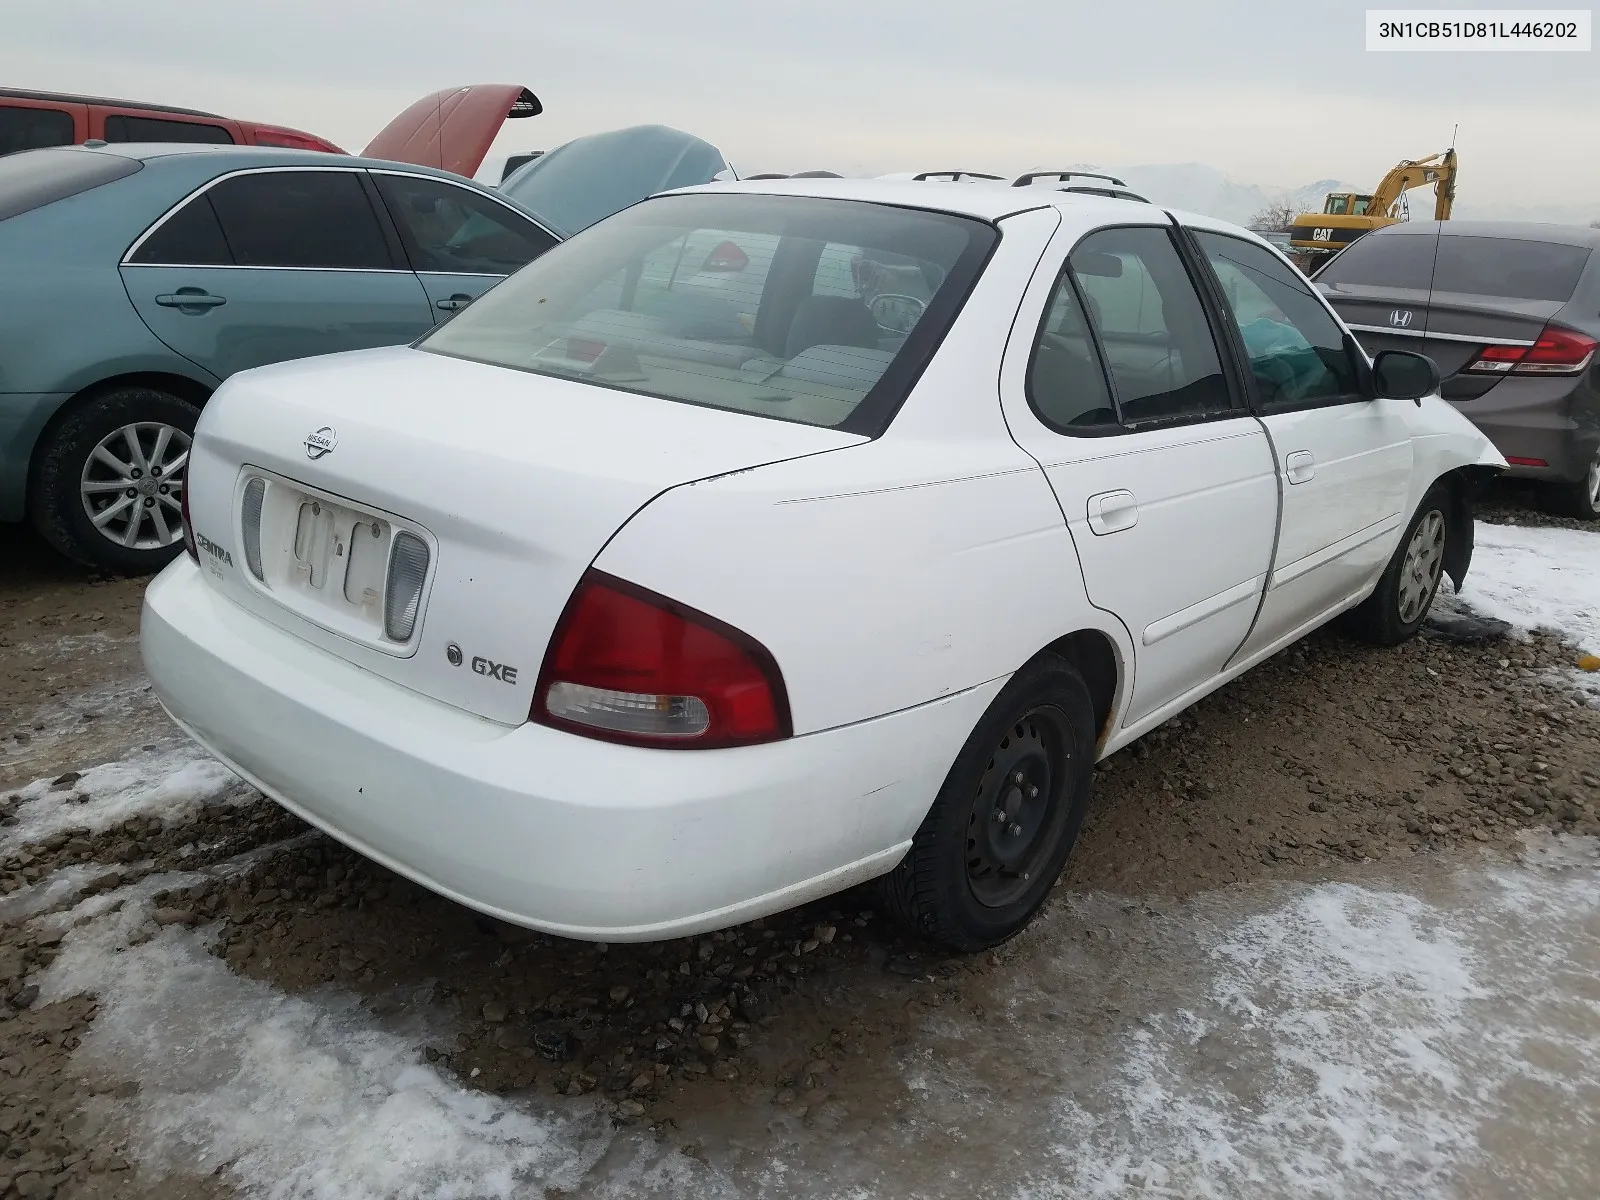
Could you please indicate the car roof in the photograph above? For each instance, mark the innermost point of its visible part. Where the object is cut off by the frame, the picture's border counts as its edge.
(105, 101)
(234, 157)
(1528, 231)
(986, 201)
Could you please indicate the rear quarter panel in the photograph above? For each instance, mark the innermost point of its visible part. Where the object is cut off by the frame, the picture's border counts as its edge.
(68, 323)
(889, 574)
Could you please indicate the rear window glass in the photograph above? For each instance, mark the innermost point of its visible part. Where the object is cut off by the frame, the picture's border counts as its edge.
(153, 129)
(1515, 268)
(1395, 261)
(39, 177)
(33, 128)
(816, 311)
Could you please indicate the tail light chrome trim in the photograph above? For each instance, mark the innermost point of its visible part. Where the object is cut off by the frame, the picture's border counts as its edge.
(402, 591)
(250, 524)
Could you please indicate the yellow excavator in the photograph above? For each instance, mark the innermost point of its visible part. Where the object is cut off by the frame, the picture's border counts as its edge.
(1345, 216)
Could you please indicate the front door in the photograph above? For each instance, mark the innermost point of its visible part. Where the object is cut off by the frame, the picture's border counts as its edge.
(460, 242)
(1343, 459)
(1165, 479)
(275, 264)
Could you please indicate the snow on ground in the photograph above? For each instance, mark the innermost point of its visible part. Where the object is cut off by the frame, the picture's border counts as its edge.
(1538, 578)
(170, 781)
(1405, 1034)
(306, 1098)
(1348, 1040)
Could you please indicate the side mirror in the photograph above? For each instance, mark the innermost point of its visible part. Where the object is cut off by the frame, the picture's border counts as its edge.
(1402, 375)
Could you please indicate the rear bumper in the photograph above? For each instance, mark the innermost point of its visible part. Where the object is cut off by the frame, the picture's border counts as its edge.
(1554, 420)
(542, 828)
(22, 416)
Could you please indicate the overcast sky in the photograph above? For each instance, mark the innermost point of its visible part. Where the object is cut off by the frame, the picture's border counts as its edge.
(1270, 92)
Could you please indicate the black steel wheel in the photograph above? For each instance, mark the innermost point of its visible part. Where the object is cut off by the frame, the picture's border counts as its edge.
(1018, 807)
(1005, 820)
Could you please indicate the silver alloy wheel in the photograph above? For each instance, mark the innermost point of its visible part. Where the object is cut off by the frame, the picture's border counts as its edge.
(1594, 484)
(132, 485)
(1419, 572)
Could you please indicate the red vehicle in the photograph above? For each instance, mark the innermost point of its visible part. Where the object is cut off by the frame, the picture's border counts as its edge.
(451, 129)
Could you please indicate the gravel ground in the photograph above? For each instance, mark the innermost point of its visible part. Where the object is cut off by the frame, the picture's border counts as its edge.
(201, 997)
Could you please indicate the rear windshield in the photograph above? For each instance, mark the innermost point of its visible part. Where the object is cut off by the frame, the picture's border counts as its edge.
(1510, 267)
(822, 312)
(1398, 260)
(35, 178)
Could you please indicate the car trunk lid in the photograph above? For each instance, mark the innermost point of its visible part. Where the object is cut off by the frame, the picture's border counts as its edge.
(453, 128)
(507, 485)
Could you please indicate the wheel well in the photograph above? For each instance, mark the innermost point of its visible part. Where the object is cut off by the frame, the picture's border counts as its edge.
(1464, 484)
(180, 386)
(1095, 657)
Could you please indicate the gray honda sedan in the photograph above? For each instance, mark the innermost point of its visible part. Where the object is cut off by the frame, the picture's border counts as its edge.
(1510, 312)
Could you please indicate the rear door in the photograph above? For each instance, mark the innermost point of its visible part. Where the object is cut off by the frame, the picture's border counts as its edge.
(1343, 460)
(1165, 479)
(460, 242)
(1380, 286)
(1494, 292)
(274, 264)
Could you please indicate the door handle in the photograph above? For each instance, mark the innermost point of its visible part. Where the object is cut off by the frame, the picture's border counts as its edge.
(1112, 512)
(191, 300)
(459, 300)
(1300, 467)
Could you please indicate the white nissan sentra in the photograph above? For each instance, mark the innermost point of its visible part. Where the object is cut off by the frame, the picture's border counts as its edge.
(625, 606)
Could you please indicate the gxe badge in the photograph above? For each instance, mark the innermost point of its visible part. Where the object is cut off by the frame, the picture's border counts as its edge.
(321, 442)
(481, 665)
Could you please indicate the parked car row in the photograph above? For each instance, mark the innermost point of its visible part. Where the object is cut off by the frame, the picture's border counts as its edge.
(611, 616)
(157, 271)
(450, 129)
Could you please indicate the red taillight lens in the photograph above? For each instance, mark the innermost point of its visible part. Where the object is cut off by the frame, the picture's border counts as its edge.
(1496, 360)
(726, 257)
(628, 665)
(188, 525)
(1514, 461)
(585, 350)
(1557, 351)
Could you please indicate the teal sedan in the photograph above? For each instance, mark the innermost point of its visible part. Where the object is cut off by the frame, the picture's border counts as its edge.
(140, 277)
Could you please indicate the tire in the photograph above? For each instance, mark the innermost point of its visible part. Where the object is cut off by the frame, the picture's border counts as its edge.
(1399, 604)
(143, 531)
(972, 879)
(1580, 499)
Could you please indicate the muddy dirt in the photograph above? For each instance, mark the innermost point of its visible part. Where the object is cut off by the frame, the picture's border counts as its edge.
(1330, 756)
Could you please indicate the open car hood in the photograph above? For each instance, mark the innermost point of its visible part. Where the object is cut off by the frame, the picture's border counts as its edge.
(591, 177)
(453, 128)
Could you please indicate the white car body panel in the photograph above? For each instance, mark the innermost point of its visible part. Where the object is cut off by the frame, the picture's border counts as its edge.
(898, 582)
(560, 833)
(516, 521)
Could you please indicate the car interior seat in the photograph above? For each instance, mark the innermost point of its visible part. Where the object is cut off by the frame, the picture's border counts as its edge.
(832, 321)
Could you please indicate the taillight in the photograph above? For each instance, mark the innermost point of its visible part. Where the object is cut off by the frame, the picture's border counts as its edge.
(1557, 351)
(726, 257)
(628, 665)
(188, 525)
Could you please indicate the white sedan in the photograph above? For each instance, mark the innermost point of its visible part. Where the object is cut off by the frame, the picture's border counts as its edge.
(619, 616)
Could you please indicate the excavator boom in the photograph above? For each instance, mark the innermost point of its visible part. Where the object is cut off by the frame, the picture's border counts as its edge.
(1324, 232)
